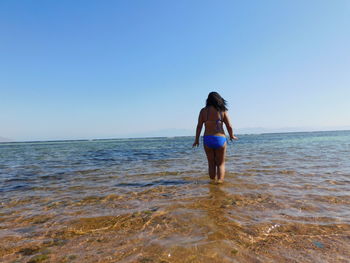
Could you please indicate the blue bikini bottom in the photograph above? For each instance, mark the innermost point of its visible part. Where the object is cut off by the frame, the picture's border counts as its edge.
(213, 141)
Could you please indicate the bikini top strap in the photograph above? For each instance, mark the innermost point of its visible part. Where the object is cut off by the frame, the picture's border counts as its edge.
(220, 115)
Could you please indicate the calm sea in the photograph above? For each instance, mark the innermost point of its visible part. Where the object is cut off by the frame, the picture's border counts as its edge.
(286, 198)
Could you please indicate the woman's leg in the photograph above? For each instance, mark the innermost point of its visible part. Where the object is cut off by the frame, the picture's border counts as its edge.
(220, 154)
(211, 162)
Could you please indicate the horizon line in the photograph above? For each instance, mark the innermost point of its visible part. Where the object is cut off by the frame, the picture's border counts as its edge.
(175, 136)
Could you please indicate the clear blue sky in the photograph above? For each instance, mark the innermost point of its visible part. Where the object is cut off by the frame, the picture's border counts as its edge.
(97, 69)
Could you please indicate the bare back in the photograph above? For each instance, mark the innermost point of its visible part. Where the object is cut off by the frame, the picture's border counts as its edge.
(213, 121)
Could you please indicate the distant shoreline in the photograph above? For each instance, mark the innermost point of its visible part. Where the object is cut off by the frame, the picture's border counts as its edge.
(160, 137)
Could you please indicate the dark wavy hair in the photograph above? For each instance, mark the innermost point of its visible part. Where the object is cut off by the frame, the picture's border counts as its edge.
(214, 99)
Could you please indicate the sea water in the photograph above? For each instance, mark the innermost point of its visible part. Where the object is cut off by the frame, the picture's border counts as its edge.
(286, 198)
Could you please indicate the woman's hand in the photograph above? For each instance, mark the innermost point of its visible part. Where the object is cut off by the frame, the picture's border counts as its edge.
(195, 144)
(233, 138)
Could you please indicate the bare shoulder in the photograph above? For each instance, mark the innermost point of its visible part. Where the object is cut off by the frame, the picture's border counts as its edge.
(202, 110)
(201, 113)
(226, 116)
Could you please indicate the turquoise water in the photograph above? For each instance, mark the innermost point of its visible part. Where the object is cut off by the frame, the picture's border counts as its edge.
(296, 183)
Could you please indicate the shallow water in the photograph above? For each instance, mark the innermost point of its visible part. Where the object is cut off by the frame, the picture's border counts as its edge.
(286, 198)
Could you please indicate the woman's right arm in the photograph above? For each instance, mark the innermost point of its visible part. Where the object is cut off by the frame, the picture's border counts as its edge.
(198, 129)
(229, 126)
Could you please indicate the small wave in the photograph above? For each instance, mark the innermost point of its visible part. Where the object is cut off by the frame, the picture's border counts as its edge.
(154, 183)
(18, 187)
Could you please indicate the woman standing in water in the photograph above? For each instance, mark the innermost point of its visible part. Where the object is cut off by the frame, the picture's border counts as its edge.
(213, 116)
